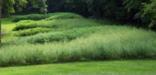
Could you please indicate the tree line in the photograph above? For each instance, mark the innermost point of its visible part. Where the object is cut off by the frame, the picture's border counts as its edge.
(140, 12)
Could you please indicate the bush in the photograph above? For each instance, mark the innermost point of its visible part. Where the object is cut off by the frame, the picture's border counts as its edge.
(64, 16)
(32, 31)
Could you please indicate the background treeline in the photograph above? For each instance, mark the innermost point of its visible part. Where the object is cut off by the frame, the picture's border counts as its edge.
(140, 12)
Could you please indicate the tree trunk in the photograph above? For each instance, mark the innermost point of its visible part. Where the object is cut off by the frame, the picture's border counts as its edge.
(44, 7)
(0, 22)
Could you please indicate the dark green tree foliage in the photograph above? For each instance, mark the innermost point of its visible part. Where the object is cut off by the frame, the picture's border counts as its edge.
(131, 11)
(12, 6)
(120, 10)
(150, 12)
(41, 5)
(7, 7)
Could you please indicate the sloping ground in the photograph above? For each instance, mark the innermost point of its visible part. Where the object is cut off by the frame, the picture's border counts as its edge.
(135, 67)
(65, 38)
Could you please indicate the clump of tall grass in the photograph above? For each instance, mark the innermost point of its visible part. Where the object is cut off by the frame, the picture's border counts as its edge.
(30, 17)
(50, 16)
(66, 35)
(121, 44)
(55, 24)
(28, 24)
(28, 32)
(89, 40)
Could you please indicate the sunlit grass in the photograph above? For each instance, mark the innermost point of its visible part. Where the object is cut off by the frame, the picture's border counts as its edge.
(135, 67)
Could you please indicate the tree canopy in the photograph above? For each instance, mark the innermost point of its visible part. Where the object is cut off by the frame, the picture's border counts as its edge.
(132, 11)
(12, 6)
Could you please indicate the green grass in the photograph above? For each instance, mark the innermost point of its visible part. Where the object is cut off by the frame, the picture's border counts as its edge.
(76, 39)
(30, 17)
(66, 35)
(135, 67)
(119, 45)
(28, 32)
(56, 24)
(49, 16)
(64, 16)
(7, 21)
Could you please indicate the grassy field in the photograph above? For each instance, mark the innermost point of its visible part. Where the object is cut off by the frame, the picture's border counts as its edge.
(67, 37)
(133, 67)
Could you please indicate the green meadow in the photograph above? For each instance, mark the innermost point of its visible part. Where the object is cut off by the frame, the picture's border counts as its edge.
(70, 44)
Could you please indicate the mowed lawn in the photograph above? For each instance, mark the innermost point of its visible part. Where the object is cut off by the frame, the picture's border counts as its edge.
(126, 67)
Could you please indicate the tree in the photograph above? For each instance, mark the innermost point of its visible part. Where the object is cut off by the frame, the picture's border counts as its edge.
(12, 6)
(0, 20)
(9, 6)
(41, 5)
(44, 6)
(150, 12)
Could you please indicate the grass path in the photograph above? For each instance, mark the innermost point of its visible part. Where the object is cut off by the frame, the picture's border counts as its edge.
(135, 67)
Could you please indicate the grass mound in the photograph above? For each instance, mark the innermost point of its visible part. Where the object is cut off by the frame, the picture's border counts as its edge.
(61, 35)
(117, 43)
(81, 39)
(30, 17)
(49, 16)
(55, 24)
(32, 31)
(28, 24)
(64, 16)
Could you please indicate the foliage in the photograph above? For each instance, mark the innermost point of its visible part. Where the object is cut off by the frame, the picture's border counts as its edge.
(8, 6)
(40, 4)
(126, 11)
(11, 6)
(150, 12)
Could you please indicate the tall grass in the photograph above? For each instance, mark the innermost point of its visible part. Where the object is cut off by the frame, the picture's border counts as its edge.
(116, 44)
(66, 35)
(30, 17)
(55, 24)
(49, 16)
(64, 16)
(75, 39)
(33, 31)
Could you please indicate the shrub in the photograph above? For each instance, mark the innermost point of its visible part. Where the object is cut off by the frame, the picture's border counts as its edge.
(32, 31)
